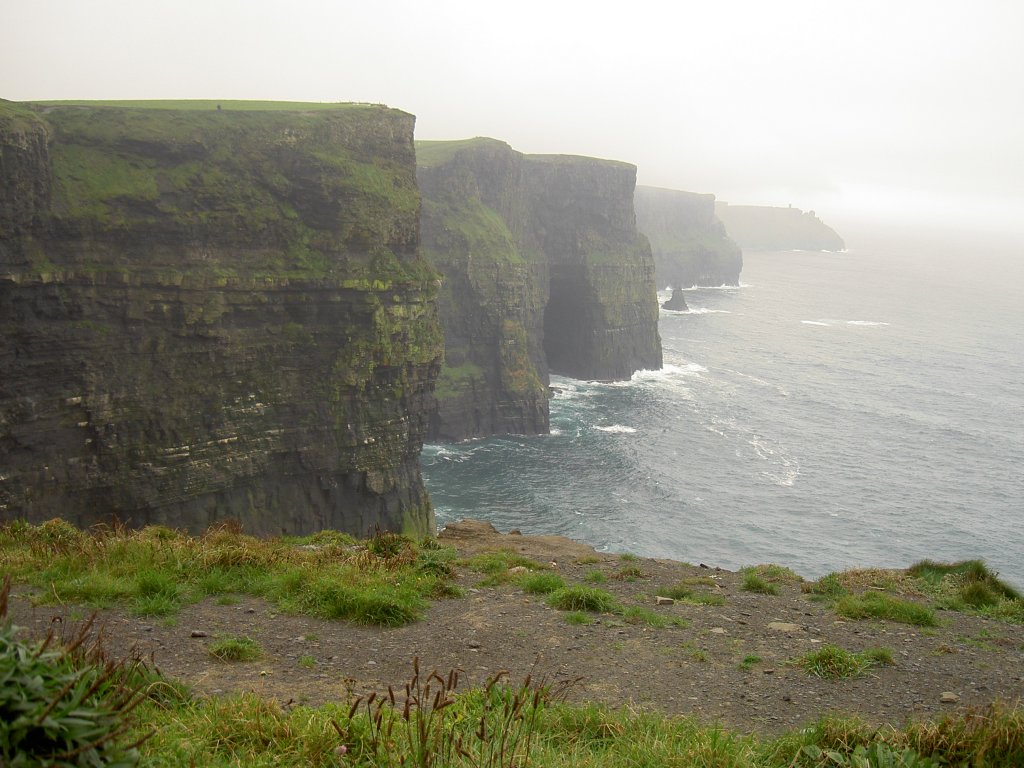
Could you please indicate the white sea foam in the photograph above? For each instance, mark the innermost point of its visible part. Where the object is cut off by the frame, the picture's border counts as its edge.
(702, 311)
(815, 322)
(864, 322)
(722, 287)
(554, 431)
(618, 429)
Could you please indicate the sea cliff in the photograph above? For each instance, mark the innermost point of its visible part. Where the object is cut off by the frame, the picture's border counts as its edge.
(543, 270)
(688, 240)
(765, 228)
(476, 231)
(214, 313)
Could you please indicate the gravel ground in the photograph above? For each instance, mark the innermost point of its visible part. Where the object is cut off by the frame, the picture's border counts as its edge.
(696, 668)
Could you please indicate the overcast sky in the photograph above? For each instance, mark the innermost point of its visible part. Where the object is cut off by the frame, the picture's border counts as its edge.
(852, 108)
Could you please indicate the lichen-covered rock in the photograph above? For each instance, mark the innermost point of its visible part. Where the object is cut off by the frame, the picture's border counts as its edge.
(214, 313)
(475, 231)
(765, 228)
(688, 240)
(601, 321)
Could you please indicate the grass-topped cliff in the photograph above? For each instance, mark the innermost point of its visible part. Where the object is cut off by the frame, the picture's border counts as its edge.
(215, 309)
(766, 228)
(475, 231)
(601, 321)
(543, 268)
(688, 240)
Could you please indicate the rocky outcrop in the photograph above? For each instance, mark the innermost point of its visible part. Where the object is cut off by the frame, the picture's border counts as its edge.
(677, 303)
(688, 240)
(601, 321)
(475, 231)
(764, 228)
(214, 313)
(543, 268)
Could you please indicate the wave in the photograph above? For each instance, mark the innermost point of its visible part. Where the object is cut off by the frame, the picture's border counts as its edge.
(696, 311)
(816, 322)
(722, 287)
(865, 322)
(618, 429)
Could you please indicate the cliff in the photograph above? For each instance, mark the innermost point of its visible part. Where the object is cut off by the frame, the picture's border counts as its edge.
(213, 313)
(601, 321)
(688, 240)
(763, 228)
(474, 230)
(543, 269)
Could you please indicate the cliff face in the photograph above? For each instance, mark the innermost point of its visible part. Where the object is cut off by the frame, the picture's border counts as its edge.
(688, 240)
(213, 313)
(601, 321)
(543, 268)
(763, 228)
(474, 228)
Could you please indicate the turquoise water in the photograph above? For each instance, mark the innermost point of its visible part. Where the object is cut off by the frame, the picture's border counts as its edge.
(836, 410)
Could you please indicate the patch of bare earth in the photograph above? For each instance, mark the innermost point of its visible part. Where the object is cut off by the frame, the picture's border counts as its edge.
(691, 669)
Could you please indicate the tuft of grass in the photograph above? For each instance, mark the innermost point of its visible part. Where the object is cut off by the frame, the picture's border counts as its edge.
(628, 557)
(831, 662)
(541, 583)
(578, 618)
(684, 593)
(749, 662)
(828, 587)
(588, 560)
(495, 565)
(879, 605)
(595, 577)
(754, 583)
(629, 573)
(765, 579)
(580, 598)
(307, 662)
(235, 649)
(640, 615)
(969, 586)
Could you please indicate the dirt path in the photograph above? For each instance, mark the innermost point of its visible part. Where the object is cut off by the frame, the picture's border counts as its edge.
(693, 669)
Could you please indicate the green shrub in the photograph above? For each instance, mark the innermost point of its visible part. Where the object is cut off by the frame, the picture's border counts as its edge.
(62, 705)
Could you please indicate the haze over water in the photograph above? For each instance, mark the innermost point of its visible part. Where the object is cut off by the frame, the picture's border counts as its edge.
(837, 410)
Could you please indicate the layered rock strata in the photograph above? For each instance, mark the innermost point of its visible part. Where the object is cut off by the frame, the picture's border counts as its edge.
(601, 321)
(688, 240)
(214, 313)
(475, 231)
(543, 269)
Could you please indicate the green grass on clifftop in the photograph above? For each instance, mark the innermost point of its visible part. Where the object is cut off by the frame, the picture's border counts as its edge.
(210, 105)
(154, 571)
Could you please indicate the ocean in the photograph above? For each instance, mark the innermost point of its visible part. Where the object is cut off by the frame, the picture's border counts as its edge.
(837, 410)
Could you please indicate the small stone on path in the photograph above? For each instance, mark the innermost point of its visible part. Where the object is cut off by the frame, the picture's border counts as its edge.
(659, 600)
(198, 633)
(948, 697)
(783, 626)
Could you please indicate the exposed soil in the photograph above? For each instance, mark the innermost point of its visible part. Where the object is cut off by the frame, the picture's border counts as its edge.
(694, 669)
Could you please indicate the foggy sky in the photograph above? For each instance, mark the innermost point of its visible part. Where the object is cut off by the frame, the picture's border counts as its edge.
(855, 109)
